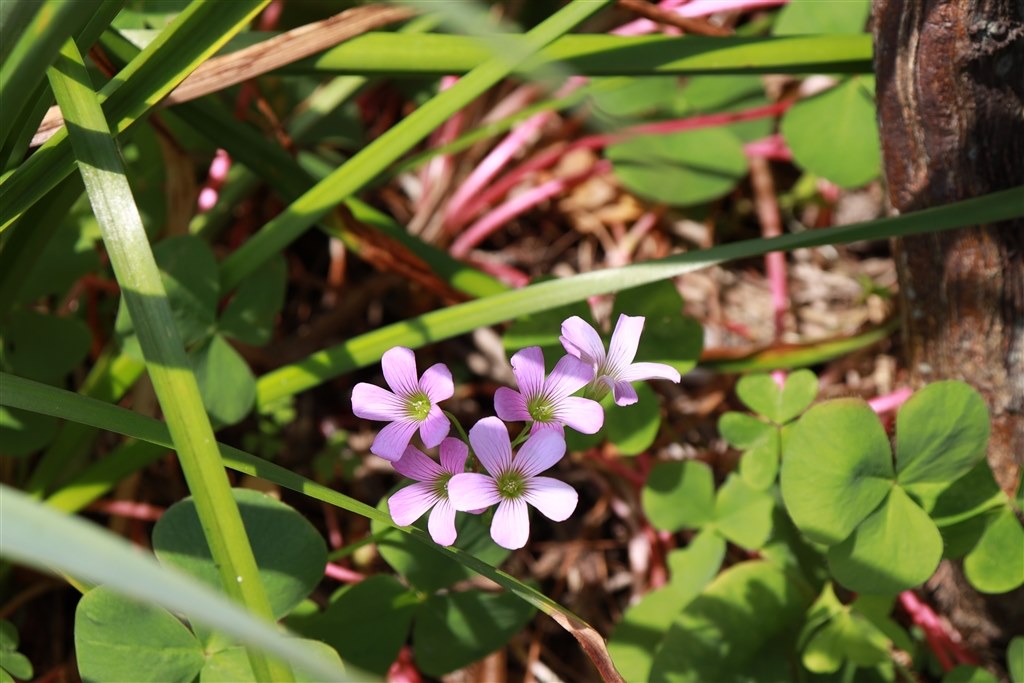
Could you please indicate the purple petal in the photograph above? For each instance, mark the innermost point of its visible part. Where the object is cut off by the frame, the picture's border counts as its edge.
(454, 454)
(625, 339)
(434, 427)
(510, 405)
(409, 504)
(553, 426)
(625, 394)
(399, 366)
(540, 452)
(555, 499)
(370, 402)
(528, 367)
(416, 465)
(640, 371)
(437, 383)
(441, 523)
(569, 376)
(472, 491)
(582, 414)
(391, 441)
(489, 438)
(582, 340)
(510, 527)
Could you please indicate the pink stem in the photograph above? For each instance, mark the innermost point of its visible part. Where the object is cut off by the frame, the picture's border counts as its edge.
(516, 206)
(439, 166)
(639, 27)
(343, 574)
(513, 277)
(703, 8)
(889, 402)
(130, 509)
(944, 640)
(773, 148)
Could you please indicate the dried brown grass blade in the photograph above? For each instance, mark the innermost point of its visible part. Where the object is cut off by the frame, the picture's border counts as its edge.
(222, 72)
(592, 643)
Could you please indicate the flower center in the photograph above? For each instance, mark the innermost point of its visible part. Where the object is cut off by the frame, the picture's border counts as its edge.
(511, 485)
(540, 409)
(418, 405)
(441, 485)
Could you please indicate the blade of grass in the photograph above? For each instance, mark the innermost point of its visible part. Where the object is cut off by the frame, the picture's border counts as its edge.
(382, 152)
(40, 398)
(36, 535)
(103, 174)
(430, 55)
(454, 320)
(195, 34)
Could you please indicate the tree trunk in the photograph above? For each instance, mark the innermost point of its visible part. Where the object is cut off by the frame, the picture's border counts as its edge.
(950, 88)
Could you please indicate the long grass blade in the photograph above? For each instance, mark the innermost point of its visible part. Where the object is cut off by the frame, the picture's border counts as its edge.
(126, 243)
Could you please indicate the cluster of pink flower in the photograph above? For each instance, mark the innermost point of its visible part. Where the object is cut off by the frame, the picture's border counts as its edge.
(511, 481)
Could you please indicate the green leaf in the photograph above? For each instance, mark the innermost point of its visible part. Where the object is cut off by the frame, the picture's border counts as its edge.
(118, 639)
(11, 661)
(69, 254)
(897, 547)
(724, 635)
(996, 564)
(681, 169)
(428, 571)
(710, 94)
(798, 18)
(290, 553)
(968, 674)
(367, 622)
(22, 432)
(454, 630)
(542, 328)
(635, 97)
(759, 464)
(834, 134)
(231, 665)
(225, 381)
(249, 316)
(633, 428)
(761, 394)
(949, 502)
(742, 514)
(679, 495)
(189, 274)
(643, 626)
(836, 469)
(941, 433)
(43, 347)
(846, 638)
(669, 336)
(1015, 659)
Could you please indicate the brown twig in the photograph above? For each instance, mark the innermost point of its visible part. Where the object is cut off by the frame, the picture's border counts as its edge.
(697, 27)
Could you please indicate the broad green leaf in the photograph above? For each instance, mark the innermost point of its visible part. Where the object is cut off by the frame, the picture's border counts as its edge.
(249, 316)
(428, 571)
(790, 549)
(635, 97)
(119, 639)
(290, 553)
(232, 665)
(941, 433)
(968, 674)
(809, 17)
(744, 431)
(633, 428)
(639, 633)
(996, 564)
(189, 273)
(1015, 659)
(69, 254)
(453, 630)
(679, 495)
(542, 328)
(950, 502)
(834, 134)
(761, 394)
(836, 469)
(43, 347)
(225, 381)
(710, 94)
(22, 432)
(367, 622)
(742, 514)
(681, 169)
(846, 638)
(669, 336)
(897, 547)
(724, 635)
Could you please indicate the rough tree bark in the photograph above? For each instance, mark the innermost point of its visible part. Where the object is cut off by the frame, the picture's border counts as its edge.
(950, 88)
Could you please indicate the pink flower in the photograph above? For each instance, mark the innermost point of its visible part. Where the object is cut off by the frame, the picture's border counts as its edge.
(616, 369)
(548, 403)
(430, 489)
(412, 405)
(513, 482)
